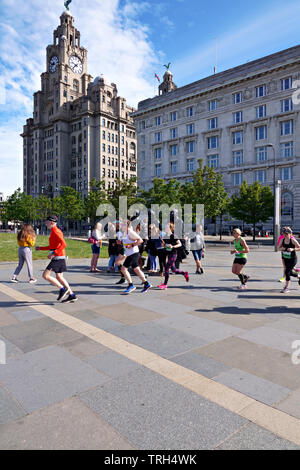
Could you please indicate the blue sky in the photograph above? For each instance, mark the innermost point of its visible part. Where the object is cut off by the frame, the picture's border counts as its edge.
(129, 41)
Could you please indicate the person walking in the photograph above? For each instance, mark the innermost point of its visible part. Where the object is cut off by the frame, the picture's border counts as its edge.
(131, 241)
(26, 240)
(288, 246)
(57, 255)
(171, 245)
(198, 248)
(96, 235)
(240, 257)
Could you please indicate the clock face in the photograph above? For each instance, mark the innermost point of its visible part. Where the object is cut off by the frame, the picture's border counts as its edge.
(75, 64)
(53, 64)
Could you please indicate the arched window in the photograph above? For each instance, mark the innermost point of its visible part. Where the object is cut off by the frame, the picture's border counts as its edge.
(287, 206)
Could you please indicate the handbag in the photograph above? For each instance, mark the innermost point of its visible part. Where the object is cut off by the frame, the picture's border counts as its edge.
(93, 241)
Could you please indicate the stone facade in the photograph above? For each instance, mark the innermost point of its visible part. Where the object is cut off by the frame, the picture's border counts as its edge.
(227, 120)
(81, 129)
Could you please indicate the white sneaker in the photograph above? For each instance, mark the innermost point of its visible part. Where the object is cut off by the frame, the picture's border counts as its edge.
(242, 287)
(14, 279)
(285, 290)
(32, 281)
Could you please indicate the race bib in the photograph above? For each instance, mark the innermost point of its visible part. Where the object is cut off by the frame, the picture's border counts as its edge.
(286, 254)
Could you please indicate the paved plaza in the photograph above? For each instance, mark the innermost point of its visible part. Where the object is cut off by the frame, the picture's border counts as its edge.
(199, 366)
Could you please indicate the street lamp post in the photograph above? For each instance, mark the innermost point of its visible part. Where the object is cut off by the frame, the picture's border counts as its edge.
(276, 223)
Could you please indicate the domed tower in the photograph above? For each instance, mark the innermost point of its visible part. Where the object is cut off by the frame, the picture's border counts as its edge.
(167, 85)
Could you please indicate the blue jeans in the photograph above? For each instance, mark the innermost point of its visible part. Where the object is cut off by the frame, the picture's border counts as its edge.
(152, 262)
(112, 261)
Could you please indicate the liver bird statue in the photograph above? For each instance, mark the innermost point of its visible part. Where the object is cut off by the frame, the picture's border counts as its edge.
(67, 3)
(167, 66)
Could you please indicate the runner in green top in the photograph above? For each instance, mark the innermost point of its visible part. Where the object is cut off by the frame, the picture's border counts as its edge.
(240, 257)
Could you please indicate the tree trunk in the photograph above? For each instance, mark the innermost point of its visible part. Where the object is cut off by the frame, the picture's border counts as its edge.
(254, 227)
(221, 226)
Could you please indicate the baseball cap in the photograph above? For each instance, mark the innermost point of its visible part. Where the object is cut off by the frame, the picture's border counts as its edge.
(52, 218)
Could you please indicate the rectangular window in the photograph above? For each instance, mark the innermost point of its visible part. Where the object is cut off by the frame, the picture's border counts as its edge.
(237, 98)
(190, 111)
(190, 129)
(238, 117)
(143, 140)
(158, 170)
(238, 158)
(261, 133)
(158, 153)
(158, 120)
(213, 161)
(174, 133)
(261, 154)
(190, 146)
(213, 142)
(286, 83)
(213, 123)
(237, 137)
(143, 155)
(237, 179)
(190, 164)
(173, 116)
(260, 175)
(158, 137)
(287, 127)
(212, 105)
(287, 149)
(286, 173)
(260, 91)
(173, 150)
(103, 147)
(261, 111)
(143, 125)
(173, 168)
(286, 105)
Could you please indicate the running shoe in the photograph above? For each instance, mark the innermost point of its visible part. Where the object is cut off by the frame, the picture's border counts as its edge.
(14, 279)
(186, 275)
(198, 272)
(62, 294)
(129, 289)
(242, 287)
(247, 278)
(285, 290)
(32, 281)
(163, 287)
(146, 287)
(121, 281)
(282, 279)
(71, 298)
(146, 277)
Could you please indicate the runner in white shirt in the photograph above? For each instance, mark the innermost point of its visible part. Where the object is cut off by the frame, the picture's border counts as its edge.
(131, 240)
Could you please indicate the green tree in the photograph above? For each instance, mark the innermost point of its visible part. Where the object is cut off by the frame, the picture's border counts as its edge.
(19, 208)
(43, 207)
(96, 196)
(69, 205)
(126, 188)
(163, 192)
(253, 204)
(208, 189)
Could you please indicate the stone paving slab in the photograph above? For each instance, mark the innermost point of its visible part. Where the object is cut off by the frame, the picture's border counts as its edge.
(260, 389)
(7, 319)
(271, 337)
(201, 364)
(41, 378)
(145, 407)
(160, 339)
(53, 429)
(84, 348)
(291, 404)
(207, 330)
(128, 314)
(11, 350)
(112, 364)
(232, 316)
(252, 437)
(10, 409)
(267, 363)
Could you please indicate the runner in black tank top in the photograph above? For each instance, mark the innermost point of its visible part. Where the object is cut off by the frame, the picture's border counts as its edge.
(288, 246)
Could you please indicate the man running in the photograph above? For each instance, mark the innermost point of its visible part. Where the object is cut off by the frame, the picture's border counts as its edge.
(131, 241)
(240, 257)
(57, 264)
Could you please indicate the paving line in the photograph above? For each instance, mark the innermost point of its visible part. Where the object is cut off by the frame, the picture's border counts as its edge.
(275, 421)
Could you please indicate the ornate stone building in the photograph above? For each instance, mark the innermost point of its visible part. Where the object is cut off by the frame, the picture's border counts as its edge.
(228, 119)
(81, 129)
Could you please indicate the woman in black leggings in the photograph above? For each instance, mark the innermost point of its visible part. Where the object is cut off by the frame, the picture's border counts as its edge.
(288, 246)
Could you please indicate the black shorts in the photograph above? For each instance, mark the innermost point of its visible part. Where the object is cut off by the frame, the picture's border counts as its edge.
(240, 261)
(57, 265)
(132, 261)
